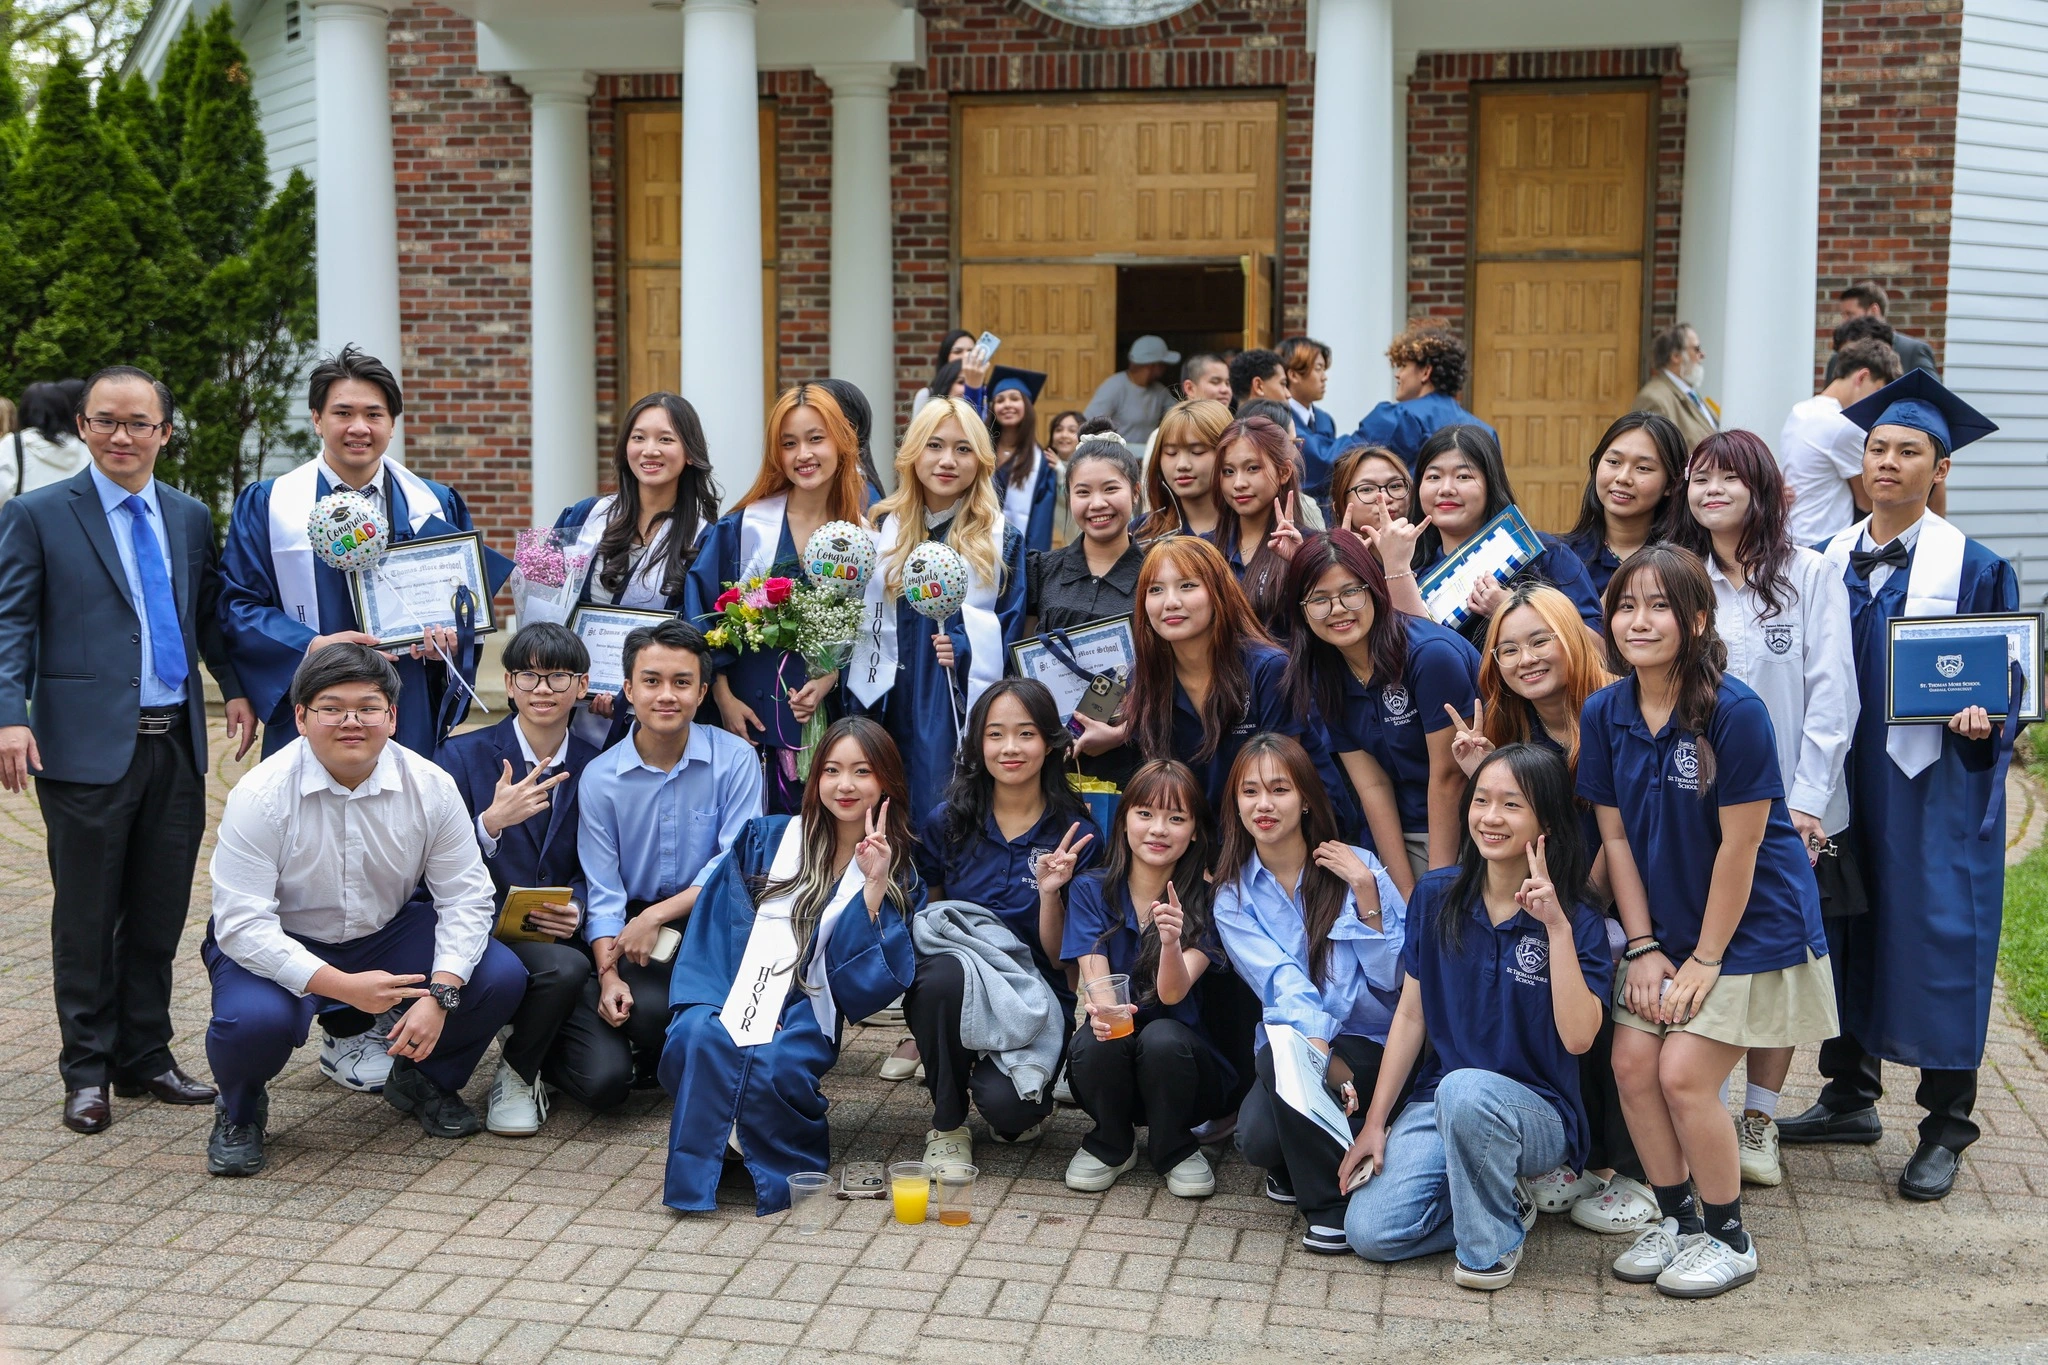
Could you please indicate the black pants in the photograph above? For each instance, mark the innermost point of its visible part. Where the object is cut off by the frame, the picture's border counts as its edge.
(121, 858)
(1163, 1075)
(953, 1072)
(646, 1028)
(1272, 1134)
(1855, 1078)
(1231, 1012)
(1612, 1146)
(556, 1030)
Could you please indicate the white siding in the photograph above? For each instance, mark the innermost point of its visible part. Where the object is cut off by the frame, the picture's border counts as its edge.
(1998, 281)
(282, 70)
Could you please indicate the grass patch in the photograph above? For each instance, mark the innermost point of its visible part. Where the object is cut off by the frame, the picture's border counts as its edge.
(2023, 946)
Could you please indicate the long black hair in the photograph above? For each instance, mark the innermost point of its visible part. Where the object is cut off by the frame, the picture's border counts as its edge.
(1547, 786)
(1479, 448)
(1670, 445)
(854, 404)
(52, 407)
(972, 789)
(696, 503)
(1764, 549)
(1166, 784)
(1322, 891)
(1702, 654)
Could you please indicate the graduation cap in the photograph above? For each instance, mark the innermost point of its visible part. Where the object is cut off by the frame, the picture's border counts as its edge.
(1920, 401)
(1026, 382)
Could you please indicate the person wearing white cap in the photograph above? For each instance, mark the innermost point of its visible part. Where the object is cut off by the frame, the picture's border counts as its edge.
(1134, 399)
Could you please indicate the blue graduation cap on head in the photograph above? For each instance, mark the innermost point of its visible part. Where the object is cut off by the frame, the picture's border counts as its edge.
(1920, 401)
(1007, 377)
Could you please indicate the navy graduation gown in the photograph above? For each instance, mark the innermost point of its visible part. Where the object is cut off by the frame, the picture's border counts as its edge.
(771, 1093)
(267, 646)
(918, 711)
(762, 679)
(571, 521)
(1044, 499)
(1919, 968)
(540, 851)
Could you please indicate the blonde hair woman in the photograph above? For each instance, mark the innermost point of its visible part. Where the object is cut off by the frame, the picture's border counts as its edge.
(919, 682)
(1180, 477)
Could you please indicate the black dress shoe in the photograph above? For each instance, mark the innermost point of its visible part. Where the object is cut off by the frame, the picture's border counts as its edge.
(1931, 1173)
(87, 1109)
(173, 1087)
(1821, 1124)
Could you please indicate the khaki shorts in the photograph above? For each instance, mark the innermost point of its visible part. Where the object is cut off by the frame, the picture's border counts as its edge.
(1417, 848)
(1784, 1008)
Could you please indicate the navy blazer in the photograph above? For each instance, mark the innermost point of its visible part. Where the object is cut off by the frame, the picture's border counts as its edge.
(540, 851)
(71, 640)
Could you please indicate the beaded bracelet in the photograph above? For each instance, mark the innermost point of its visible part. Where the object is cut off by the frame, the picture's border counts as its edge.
(1632, 954)
(1709, 961)
(1405, 573)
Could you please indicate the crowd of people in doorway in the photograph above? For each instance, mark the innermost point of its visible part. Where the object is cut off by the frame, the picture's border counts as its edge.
(1518, 892)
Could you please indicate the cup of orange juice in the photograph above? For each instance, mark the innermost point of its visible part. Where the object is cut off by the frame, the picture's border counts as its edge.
(1111, 996)
(955, 1181)
(910, 1190)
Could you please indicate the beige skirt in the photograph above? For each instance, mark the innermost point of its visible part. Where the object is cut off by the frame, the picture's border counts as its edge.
(1417, 847)
(1784, 1008)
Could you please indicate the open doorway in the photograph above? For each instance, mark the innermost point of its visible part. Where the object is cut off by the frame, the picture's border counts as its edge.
(1194, 308)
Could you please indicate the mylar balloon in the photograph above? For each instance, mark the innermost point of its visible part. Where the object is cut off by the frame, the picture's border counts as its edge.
(839, 557)
(348, 532)
(935, 580)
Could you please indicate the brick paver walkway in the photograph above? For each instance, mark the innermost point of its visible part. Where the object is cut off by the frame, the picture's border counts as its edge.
(367, 1241)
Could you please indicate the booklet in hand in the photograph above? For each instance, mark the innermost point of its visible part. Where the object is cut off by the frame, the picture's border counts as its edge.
(1298, 1072)
(521, 901)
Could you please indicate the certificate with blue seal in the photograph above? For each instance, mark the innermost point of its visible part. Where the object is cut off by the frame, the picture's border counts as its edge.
(1939, 665)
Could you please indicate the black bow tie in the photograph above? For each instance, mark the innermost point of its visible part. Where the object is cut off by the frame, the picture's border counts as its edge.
(1895, 554)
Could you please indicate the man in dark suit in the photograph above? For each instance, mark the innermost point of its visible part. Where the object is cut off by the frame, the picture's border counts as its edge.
(108, 593)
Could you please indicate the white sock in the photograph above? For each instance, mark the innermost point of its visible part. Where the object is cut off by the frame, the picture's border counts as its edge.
(1724, 1092)
(1763, 1101)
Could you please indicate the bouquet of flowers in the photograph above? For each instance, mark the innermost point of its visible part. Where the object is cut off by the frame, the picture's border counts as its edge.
(548, 572)
(818, 625)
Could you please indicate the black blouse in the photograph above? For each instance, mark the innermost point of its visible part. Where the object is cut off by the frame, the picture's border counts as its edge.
(1062, 594)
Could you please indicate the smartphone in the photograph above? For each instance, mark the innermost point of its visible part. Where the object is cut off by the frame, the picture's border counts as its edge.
(665, 945)
(861, 1180)
(985, 348)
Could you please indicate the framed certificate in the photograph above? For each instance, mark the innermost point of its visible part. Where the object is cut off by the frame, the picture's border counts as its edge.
(1937, 665)
(1499, 551)
(1069, 662)
(414, 587)
(603, 631)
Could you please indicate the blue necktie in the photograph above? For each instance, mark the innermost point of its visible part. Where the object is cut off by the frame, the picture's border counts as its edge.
(166, 637)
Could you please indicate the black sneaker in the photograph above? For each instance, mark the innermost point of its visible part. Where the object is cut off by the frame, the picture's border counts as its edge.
(1278, 1190)
(236, 1148)
(1325, 1241)
(441, 1113)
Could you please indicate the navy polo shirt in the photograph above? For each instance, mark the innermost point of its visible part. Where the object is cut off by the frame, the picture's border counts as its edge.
(1489, 1009)
(1393, 721)
(1589, 823)
(1000, 874)
(1105, 921)
(1266, 708)
(1674, 828)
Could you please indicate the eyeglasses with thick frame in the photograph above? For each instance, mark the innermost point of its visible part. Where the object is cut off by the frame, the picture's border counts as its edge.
(341, 715)
(107, 426)
(561, 680)
(1394, 490)
(1317, 606)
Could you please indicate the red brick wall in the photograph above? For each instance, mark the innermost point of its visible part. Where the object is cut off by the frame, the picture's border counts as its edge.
(1887, 157)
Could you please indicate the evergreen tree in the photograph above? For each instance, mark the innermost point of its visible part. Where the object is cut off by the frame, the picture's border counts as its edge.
(130, 109)
(179, 61)
(222, 180)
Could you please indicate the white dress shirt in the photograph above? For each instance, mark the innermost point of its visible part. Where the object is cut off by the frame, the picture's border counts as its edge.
(1882, 574)
(300, 854)
(1820, 451)
(1802, 663)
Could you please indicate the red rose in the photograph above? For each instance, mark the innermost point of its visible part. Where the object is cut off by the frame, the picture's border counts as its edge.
(726, 599)
(778, 590)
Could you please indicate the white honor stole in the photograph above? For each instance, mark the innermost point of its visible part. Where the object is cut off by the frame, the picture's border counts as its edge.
(1017, 497)
(1934, 581)
(643, 589)
(760, 533)
(292, 496)
(753, 1007)
(872, 671)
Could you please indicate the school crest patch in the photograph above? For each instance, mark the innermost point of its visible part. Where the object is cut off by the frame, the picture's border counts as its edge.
(1031, 866)
(1395, 699)
(1532, 955)
(1685, 765)
(1948, 665)
(1778, 639)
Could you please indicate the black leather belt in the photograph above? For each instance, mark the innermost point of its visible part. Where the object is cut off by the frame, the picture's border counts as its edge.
(159, 720)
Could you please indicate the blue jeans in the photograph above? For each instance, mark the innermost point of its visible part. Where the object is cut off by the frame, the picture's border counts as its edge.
(1449, 1180)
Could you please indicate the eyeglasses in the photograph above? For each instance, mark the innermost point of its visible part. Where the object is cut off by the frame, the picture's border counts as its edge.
(342, 715)
(107, 426)
(1508, 653)
(1319, 605)
(526, 680)
(1393, 491)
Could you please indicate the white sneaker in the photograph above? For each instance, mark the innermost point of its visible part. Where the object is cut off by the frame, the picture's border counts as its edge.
(1757, 1138)
(1500, 1276)
(1031, 1134)
(1650, 1255)
(1089, 1174)
(1707, 1266)
(955, 1146)
(1556, 1191)
(359, 1063)
(1192, 1178)
(517, 1109)
(1062, 1093)
(1626, 1205)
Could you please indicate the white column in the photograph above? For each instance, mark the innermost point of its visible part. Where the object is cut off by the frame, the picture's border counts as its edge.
(721, 308)
(1351, 217)
(355, 200)
(562, 332)
(1773, 216)
(863, 331)
(1703, 219)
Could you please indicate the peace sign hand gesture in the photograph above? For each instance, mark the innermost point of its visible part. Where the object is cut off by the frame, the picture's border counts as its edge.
(1469, 746)
(1286, 537)
(1055, 868)
(514, 803)
(1168, 919)
(1537, 896)
(872, 854)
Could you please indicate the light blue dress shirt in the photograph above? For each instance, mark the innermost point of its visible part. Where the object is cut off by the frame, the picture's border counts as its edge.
(1260, 924)
(119, 522)
(645, 834)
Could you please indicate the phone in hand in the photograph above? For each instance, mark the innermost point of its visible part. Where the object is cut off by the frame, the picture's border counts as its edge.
(985, 348)
(665, 945)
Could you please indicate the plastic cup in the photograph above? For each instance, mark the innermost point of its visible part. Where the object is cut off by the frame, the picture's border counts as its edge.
(910, 1190)
(810, 1201)
(1111, 996)
(955, 1192)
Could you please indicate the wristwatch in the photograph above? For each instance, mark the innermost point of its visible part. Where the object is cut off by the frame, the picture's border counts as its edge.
(446, 996)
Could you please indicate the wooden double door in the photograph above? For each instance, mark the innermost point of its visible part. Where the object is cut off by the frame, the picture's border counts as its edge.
(1557, 271)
